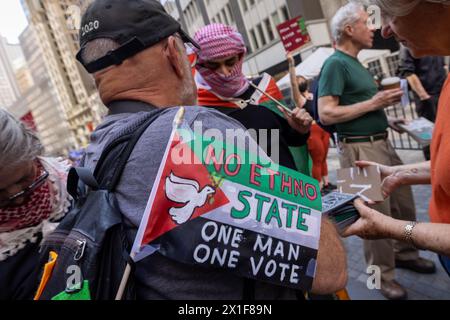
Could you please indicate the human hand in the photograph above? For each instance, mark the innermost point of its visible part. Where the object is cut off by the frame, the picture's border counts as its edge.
(394, 124)
(391, 180)
(371, 225)
(387, 98)
(290, 59)
(299, 119)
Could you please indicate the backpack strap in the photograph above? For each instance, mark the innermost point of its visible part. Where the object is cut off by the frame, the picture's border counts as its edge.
(125, 155)
(73, 181)
(114, 158)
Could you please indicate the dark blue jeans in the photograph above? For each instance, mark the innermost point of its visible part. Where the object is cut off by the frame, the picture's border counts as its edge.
(445, 263)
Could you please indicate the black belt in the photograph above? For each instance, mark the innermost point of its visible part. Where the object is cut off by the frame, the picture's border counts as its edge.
(375, 137)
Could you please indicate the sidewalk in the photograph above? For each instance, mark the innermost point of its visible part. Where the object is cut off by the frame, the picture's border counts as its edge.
(420, 287)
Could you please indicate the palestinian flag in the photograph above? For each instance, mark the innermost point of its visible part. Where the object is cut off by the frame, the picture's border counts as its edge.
(207, 98)
(220, 207)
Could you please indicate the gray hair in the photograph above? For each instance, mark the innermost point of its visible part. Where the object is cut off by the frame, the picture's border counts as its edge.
(400, 8)
(347, 15)
(18, 143)
(98, 48)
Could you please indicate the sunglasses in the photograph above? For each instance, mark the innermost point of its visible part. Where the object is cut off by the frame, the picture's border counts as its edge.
(27, 191)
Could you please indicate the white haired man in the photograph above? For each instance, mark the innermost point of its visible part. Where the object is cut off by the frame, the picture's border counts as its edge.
(349, 99)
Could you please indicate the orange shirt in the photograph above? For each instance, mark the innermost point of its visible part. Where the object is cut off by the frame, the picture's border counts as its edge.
(440, 161)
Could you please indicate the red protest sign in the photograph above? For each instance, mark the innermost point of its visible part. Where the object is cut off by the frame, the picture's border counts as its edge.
(293, 34)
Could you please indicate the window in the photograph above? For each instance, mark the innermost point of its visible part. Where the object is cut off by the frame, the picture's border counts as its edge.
(375, 68)
(261, 34)
(276, 18)
(285, 13)
(269, 29)
(230, 13)
(244, 5)
(225, 18)
(254, 39)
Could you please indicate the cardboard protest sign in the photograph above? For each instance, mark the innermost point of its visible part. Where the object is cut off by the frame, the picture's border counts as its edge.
(294, 34)
(420, 130)
(216, 206)
(363, 182)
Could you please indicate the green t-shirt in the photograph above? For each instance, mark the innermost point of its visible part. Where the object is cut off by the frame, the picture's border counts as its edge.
(345, 77)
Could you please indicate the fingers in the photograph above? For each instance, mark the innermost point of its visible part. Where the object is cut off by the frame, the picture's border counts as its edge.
(395, 94)
(359, 205)
(389, 184)
(354, 229)
(302, 116)
(389, 97)
(285, 113)
(350, 231)
(399, 121)
(364, 164)
(299, 119)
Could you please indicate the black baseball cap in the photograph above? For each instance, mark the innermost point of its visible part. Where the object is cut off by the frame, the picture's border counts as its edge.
(134, 24)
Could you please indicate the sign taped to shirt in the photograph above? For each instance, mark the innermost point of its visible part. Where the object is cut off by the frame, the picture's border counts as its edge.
(217, 206)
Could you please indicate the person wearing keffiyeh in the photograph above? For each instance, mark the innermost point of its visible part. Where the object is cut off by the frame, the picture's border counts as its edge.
(222, 85)
(33, 198)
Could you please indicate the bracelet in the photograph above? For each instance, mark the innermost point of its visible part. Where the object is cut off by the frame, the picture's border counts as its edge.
(409, 228)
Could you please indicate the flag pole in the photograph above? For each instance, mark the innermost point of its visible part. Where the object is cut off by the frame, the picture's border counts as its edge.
(123, 282)
(126, 275)
(289, 111)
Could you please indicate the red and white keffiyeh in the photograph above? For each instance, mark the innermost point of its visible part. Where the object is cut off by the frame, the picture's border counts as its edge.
(35, 210)
(49, 203)
(218, 41)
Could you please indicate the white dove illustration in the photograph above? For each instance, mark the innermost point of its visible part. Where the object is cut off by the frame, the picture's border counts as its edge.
(188, 192)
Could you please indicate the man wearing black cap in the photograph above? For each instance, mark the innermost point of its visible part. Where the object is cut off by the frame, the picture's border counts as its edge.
(135, 51)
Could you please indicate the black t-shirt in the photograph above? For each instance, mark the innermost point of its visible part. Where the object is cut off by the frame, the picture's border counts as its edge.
(430, 70)
(259, 117)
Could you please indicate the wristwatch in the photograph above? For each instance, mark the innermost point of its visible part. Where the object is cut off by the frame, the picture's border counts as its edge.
(409, 232)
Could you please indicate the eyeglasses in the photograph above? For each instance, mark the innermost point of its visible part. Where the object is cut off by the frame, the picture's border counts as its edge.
(27, 191)
(190, 49)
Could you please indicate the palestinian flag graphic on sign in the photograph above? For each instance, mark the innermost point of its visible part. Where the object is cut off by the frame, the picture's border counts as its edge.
(220, 207)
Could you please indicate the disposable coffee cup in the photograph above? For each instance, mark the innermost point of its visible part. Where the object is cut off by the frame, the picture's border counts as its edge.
(391, 83)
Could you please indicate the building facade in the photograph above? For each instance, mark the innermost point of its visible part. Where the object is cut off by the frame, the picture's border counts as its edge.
(257, 20)
(24, 78)
(9, 89)
(55, 25)
(42, 99)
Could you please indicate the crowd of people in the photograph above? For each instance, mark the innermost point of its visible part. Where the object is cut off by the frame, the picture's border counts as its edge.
(139, 69)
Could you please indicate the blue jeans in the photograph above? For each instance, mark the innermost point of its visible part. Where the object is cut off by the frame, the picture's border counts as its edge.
(445, 263)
